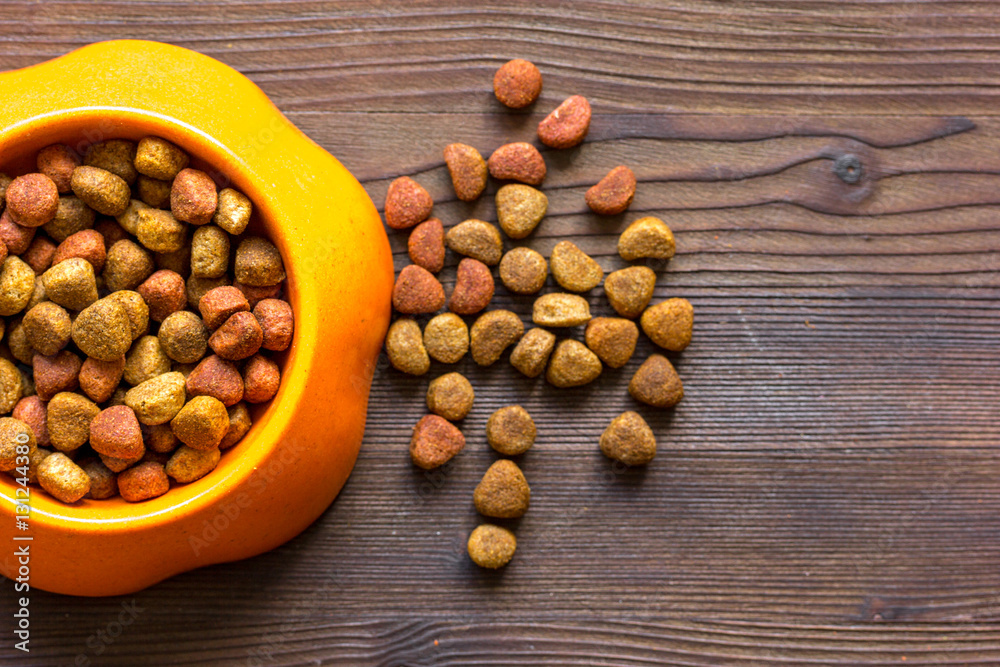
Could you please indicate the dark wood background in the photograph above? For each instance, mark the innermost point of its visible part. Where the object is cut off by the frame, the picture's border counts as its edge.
(827, 493)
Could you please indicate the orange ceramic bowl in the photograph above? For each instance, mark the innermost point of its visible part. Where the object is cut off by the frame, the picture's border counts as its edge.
(303, 445)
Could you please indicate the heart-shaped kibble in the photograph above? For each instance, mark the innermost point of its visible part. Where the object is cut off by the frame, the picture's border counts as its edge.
(407, 203)
(435, 441)
(417, 291)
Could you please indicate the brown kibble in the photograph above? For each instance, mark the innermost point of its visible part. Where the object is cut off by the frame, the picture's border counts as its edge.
(503, 492)
(160, 231)
(17, 343)
(574, 269)
(58, 162)
(159, 159)
(5, 182)
(567, 125)
(11, 386)
(517, 162)
(102, 330)
(523, 271)
(612, 339)
(450, 396)
(405, 347)
(629, 439)
(261, 378)
(136, 310)
(560, 310)
(254, 295)
(417, 291)
(127, 265)
(532, 352)
(426, 245)
(54, 374)
(517, 83)
(467, 169)
(178, 261)
(277, 322)
(164, 292)
(193, 197)
(17, 282)
(159, 438)
(103, 481)
(258, 263)
(511, 430)
(129, 220)
(39, 254)
(238, 338)
(68, 416)
(407, 203)
(209, 252)
(669, 324)
(32, 411)
(99, 379)
(143, 482)
(47, 327)
(184, 337)
(71, 283)
(87, 244)
(491, 547)
(62, 479)
(218, 378)
(201, 423)
(158, 400)
(220, 303)
(145, 361)
(520, 208)
(613, 193)
(656, 383)
(476, 239)
(32, 200)
(117, 465)
(435, 441)
(188, 464)
(154, 192)
(572, 365)
(446, 338)
(13, 432)
(116, 432)
(199, 287)
(37, 296)
(646, 237)
(116, 156)
(630, 290)
(72, 216)
(16, 238)
(239, 425)
(233, 212)
(493, 333)
(111, 231)
(101, 190)
(473, 287)
(118, 397)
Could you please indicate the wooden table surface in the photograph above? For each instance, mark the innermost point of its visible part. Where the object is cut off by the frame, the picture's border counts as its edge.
(827, 491)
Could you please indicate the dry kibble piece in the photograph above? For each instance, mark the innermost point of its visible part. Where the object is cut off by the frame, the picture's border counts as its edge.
(5, 182)
(143, 482)
(258, 263)
(491, 547)
(511, 430)
(656, 383)
(32, 411)
(87, 244)
(476, 239)
(71, 283)
(115, 432)
(473, 287)
(612, 339)
(405, 347)
(199, 287)
(11, 386)
(201, 423)
(239, 425)
(103, 481)
(467, 169)
(233, 212)
(426, 245)
(517, 83)
(160, 231)
(116, 156)
(145, 361)
(17, 282)
(17, 343)
(574, 269)
(523, 271)
(99, 379)
(62, 479)
(630, 290)
(68, 416)
(520, 208)
(517, 162)
(193, 197)
(238, 338)
(159, 438)
(159, 159)
(117, 465)
(567, 125)
(450, 396)
(47, 327)
(417, 291)
(39, 254)
(72, 216)
(188, 464)
(503, 491)
(220, 303)
(613, 193)
(209, 252)
(158, 400)
(13, 432)
(127, 265)
(407, 203)
(277, 321)
(118, 396)
(101, 190)
(178, 261)
(446, 338)
(572, 365)
(218, 378)
(32, 200)
(629, 439)
(37, 296)
(111, 231)
(560, 310)
(16, 238)
(261, 378)
(129, 220)
(254, 295)
(58, 162)
(669, 324)
(136, 310)
(164, 292)
(154, 192)
(102, 330)
(183, 337)
(435, 441)
(532, 352)
(59, 372)
(493, 333)
(646, 237)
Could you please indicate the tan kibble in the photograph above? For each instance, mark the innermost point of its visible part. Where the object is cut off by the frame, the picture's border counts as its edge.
(629, 439)
(218, 378)
(178, 261)
(520, 208)
(183, 337)
(160, 231)
(209, 252)
(467, 169)
(127, 265)
(153, 192)
(258, 263)
(101, 190)
(435, 441)
(572, 365)
(646, 237)
(71, 283)
(136, 310)
(102, 330)
(491, 547)
(58, 162)
(143, 482)
(612, 339)
(532, 352)
(277, 322)
(129, 220)
(17, 282)
(63, 479)
(17, 343)
(669, 324)
(523, 271)
(574, 269)
(188, 464)
(145, 361)
(54, 374)
(656, 383)
(99, 379)
(160, 438)
(103, 481)
(261, 379)
(511, 430)
(193, 197)
(199, 287)
(476, 239)
(239, 425)
(72, 216)
(560, 310)
(493, 333)
(159, 159)
(446, 338)
(158, 400)
(503, 492)
(68, 417)
(201, 423)
(47, 327)
(405, 347)
(233, 212)
(14, 432)
(37, 296)
(630, 290)
(116, 156)
(450, 396)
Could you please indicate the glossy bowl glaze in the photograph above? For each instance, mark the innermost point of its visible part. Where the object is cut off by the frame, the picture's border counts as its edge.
(303, 445)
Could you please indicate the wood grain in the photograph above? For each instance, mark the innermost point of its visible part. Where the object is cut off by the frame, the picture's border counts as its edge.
(826, 492)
